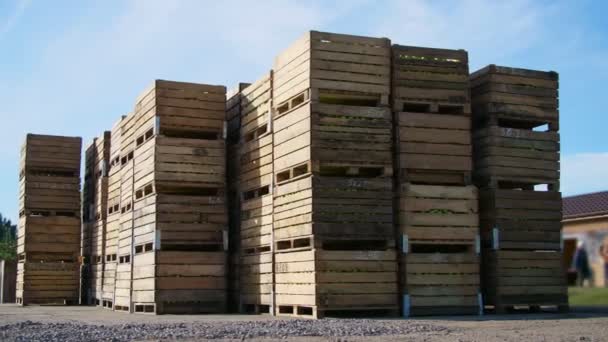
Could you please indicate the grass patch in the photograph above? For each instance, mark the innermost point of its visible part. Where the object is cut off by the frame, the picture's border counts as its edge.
(583, 296)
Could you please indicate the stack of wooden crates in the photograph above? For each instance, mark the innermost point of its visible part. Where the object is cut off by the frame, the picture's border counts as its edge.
(255, 183)
(233, 132)
(110, 258)
(49, 234)
(173, 207)
(334, 246)
(437, 206)
(94, 215)
(517, 169)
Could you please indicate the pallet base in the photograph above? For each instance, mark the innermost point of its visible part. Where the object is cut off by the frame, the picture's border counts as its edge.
(443, 311)
(314, 312)
(256, 309)
(47, 302)
(505, 309)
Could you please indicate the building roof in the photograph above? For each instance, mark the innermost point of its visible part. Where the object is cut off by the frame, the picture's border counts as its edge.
(593, 204)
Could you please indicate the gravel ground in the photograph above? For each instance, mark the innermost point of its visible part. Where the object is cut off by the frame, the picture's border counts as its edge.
(282, 329)
(93, 324)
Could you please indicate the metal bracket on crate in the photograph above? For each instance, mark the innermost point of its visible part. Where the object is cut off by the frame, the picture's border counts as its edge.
(104, 168)
(157, 239)
(477, 244)
(156, 125)
(272, 302)
(225, 240)
(495, 238)
(406, 306)
(405, 244)
(480, 303)
(269, 123)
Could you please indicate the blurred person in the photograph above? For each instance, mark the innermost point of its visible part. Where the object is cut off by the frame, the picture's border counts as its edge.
(581, 264)
(604, 255)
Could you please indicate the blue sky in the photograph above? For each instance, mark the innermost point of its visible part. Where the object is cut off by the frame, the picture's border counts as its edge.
(73, 67)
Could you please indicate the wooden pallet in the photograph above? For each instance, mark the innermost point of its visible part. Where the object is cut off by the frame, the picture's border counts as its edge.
(48, 283)
(428, 79)
(521, 97)
(521, 219)
(524, 278)
(313, 282)
(440, 283)
(433, 148)
(516, 155)
(335, 67)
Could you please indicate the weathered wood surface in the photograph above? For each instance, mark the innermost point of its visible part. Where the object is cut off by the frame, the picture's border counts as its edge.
(431, 214)
(524, 278)
(517, 94)
(428, 76)
(333, 65)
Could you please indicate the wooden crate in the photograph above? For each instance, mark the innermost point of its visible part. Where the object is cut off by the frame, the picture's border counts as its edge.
(48, 238)
(516, 156)
(436, 214)
(439, 264)
(521, 219)
(47, 283)
(49, 177)
(49, 195)
(524, 278)
(51, 154)
(332, 67)
(180, 109)
(181, 221)
(430, 80)
(171, 163)
(433, 148)
(314, 283)
(444, 281)
(171, 282)
(520, 97)
(256, 280)
(96, 283)
(334, 140)
(317, 210)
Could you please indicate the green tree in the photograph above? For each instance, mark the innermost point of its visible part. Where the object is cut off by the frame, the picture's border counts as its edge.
(8, 239)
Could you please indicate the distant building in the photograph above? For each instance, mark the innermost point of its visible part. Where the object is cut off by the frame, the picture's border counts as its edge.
(585, 218)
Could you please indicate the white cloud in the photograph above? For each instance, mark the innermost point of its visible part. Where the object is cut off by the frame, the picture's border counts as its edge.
(489, 30)
(584, 172)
